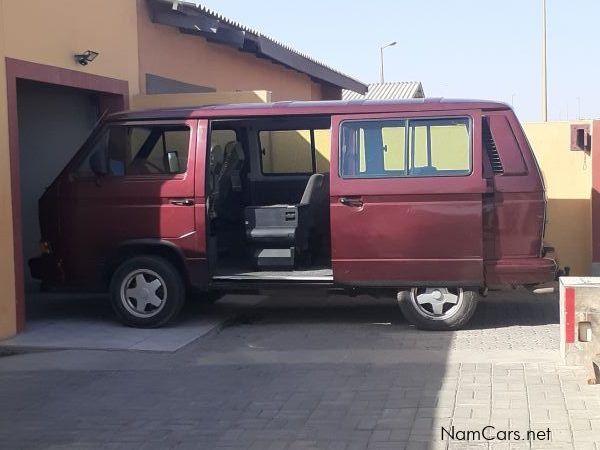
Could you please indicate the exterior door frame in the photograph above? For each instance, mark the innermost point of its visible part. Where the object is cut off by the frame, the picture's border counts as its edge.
(113, 96)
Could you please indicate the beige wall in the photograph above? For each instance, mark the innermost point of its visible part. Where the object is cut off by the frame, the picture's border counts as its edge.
(568, 180)
(221, 67)
(51, 32)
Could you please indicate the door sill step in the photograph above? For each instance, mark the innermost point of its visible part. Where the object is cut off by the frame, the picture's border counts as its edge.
(315, 275)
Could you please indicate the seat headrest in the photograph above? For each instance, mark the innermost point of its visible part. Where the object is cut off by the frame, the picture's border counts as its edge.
(314, 184)
(217, 155)
(234, 147)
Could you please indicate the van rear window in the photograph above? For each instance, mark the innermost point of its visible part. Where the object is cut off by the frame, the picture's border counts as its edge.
(405, 148)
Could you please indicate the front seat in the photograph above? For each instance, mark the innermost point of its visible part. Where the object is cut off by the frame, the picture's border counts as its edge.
(227, 179)
(281, 234)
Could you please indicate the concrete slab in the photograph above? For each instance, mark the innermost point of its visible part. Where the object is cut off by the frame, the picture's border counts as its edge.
(98, 335)
(60, 321)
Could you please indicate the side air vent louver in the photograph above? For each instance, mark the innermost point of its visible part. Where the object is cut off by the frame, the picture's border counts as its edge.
(490, 148)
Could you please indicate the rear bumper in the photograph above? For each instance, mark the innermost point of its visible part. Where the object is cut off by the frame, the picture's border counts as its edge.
(518, 272)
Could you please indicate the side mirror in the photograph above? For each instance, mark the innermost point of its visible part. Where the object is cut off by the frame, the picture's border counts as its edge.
(98, 164)
(173, 162)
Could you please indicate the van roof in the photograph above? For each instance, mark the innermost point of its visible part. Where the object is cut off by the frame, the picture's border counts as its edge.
(292, 108)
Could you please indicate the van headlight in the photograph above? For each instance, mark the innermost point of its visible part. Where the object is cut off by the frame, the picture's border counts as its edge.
(45, 248)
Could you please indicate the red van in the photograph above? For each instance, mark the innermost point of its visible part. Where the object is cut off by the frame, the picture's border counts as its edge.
(435, 201)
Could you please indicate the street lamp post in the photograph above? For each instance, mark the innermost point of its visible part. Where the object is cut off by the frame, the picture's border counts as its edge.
(544, 66)
(381, 59)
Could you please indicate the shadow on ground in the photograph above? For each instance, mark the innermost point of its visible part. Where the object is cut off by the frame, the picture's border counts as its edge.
(497, 309)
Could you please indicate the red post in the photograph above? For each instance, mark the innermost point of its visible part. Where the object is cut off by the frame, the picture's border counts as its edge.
(569, 315)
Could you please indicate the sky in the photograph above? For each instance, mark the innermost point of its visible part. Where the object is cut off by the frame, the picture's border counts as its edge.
(457, 48)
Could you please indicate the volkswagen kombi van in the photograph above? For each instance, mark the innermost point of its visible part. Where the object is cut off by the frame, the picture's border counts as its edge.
(433, 201)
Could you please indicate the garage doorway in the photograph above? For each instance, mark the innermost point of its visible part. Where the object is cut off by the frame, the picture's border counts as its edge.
(53, 122)
(50, 112)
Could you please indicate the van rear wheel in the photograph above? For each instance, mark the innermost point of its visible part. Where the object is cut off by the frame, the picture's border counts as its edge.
(147, 292)
(438, 308)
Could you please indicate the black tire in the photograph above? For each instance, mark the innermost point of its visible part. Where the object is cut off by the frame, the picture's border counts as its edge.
(459, 317)
(171, 292)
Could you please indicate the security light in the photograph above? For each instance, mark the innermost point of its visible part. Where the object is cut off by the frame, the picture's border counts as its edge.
(86, 57)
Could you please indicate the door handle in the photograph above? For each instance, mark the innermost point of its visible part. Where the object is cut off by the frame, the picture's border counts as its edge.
(183, 202)
(350, 201)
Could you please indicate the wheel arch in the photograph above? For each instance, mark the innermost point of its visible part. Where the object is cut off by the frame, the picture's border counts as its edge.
(150, 247)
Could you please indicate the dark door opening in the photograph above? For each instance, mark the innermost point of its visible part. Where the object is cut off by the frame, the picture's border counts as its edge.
(53, 122)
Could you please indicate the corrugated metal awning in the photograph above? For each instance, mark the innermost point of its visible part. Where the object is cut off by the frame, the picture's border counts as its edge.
(397, 90)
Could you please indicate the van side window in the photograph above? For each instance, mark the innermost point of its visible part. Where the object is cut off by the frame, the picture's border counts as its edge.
(139, 150)
(287, 152)
(440, 147)
(405, 148)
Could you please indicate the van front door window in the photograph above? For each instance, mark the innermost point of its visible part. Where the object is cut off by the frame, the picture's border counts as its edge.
(138, 150)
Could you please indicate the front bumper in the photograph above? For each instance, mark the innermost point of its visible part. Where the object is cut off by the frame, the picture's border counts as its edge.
(47, 268)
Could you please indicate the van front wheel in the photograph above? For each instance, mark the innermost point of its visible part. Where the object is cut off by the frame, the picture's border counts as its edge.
(147, 292)
(438, 308)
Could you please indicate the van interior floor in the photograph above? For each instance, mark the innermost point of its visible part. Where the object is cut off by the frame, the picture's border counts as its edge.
(317, 273)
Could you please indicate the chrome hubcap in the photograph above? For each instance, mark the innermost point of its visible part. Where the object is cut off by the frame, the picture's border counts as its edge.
(143, 293)
(437, 303)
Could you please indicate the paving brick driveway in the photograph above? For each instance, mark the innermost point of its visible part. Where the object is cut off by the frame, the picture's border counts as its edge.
(309, 372)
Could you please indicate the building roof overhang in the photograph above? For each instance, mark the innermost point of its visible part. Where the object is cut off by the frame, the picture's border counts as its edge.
(199, 20)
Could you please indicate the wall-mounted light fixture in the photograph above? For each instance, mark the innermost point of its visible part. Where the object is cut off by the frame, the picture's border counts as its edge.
(86, 57)
(581, 137)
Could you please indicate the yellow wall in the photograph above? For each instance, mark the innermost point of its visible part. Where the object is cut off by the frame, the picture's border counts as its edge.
(51, 32)
(7, 281)
(294, 145)
(568, 180)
